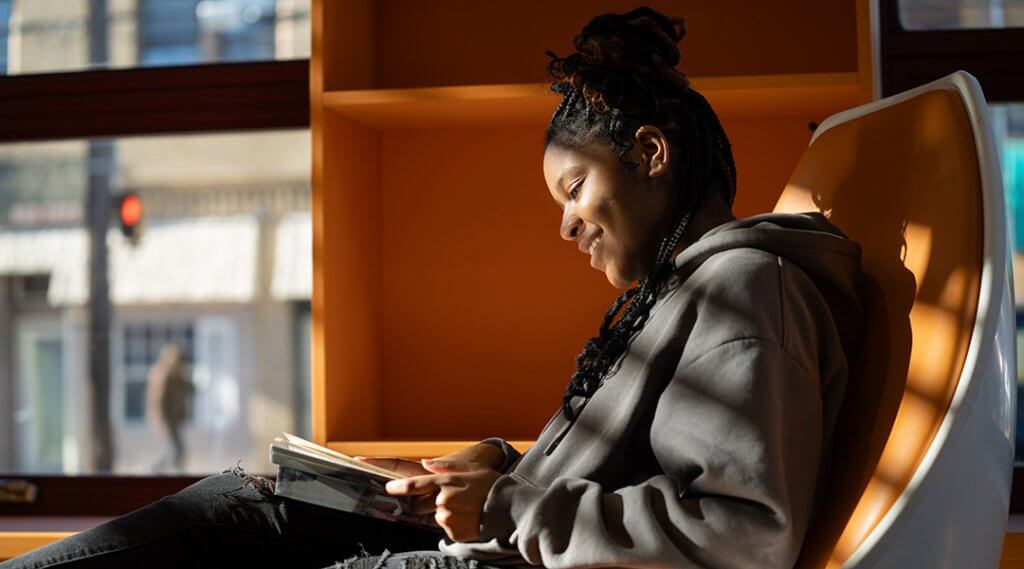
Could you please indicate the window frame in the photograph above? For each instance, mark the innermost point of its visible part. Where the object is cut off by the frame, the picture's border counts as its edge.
(155, 100)
(93, 495)
(216, 97)
(908, 58)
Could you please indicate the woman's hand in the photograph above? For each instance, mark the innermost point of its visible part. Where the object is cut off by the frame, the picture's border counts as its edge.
(478, 457)
(459, 497)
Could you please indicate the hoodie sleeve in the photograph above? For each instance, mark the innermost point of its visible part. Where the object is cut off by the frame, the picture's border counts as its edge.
(509, 454)
(737, 433)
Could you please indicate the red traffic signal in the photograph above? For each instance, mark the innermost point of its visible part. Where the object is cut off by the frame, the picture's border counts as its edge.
(129, 215)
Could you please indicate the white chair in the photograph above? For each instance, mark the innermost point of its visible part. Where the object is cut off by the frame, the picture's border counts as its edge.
(924, 445)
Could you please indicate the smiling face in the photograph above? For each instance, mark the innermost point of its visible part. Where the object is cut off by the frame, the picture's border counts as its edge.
(617, 216)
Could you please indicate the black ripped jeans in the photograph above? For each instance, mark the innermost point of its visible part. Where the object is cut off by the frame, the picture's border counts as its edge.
(234, 520)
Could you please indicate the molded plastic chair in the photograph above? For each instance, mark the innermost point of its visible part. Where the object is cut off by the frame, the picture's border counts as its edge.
(923, 454)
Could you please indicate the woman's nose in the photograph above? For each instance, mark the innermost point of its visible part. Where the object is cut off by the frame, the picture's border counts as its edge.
(572, 225)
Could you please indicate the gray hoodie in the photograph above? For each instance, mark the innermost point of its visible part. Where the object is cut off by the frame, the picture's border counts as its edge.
(705, 444)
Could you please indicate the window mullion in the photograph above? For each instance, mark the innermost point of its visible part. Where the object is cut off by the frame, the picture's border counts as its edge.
(202, 98)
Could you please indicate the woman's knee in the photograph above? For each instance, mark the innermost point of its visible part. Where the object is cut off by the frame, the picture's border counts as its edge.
(261, 484)
(232, 497)
(231, 482)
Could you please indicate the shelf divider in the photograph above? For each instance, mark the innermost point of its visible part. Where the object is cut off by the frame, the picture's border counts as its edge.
(810, 96)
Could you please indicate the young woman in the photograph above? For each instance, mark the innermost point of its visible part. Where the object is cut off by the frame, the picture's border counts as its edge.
(696, 428)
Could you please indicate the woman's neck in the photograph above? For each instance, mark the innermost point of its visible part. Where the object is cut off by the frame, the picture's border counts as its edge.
(712, 213)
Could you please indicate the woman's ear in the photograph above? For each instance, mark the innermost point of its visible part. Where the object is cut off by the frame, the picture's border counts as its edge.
(654, 149)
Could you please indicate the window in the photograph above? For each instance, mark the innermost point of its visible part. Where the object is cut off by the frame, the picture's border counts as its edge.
(221, 262)
(917, 46)
(64, 145)
(238, 30)
(169, 32)
(5, 18)
(176, 32)
(61, 35)
(961, 14)
(1008, 120)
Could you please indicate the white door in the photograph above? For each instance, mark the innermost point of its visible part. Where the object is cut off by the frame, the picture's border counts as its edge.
(39, 412)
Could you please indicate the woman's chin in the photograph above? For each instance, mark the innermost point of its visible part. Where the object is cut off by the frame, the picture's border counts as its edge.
(612, 271)
(616, 279)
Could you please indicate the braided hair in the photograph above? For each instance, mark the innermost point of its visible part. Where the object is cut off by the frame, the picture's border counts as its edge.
(621, 76)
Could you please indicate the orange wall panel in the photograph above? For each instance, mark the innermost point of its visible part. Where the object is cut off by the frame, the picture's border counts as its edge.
(765, 151)
(344, 35)
(346, 294)
(452, 42)
(483, 305)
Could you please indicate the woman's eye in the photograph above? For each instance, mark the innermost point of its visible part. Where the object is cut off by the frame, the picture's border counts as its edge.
(575, 191)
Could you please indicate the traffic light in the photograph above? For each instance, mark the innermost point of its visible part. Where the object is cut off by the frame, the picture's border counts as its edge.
(128, 207)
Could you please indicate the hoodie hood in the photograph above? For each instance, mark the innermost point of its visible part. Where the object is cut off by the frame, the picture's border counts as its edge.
(809, 241)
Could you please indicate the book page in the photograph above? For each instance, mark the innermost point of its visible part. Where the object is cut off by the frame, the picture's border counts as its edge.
(334, 456)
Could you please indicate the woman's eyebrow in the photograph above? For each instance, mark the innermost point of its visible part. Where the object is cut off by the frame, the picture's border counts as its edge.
(559, 200)
(561, 179)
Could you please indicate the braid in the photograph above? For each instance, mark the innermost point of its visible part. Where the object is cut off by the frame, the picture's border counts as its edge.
(722, 151)
(622, 76)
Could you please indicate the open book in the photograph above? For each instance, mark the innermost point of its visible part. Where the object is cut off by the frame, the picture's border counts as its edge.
(312, 473)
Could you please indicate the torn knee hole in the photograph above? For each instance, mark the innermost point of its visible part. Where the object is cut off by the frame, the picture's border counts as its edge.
(261, 484)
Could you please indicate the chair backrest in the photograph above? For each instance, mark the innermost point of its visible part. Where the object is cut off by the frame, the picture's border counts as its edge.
(901, 177)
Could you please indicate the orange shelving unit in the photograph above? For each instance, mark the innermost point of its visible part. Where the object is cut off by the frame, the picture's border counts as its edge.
(445, 306)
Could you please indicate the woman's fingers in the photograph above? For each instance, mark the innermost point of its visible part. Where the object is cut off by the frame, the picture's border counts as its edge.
(457, 497)
(393, 463)
(470, 458)
(416, 485)
(423, 504)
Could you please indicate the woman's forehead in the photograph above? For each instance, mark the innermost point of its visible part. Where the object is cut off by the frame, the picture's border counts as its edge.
(560, 158)
(558, 161)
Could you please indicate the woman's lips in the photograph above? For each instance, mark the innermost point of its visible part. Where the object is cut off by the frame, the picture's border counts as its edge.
(587, 244)
(591, 245)
(595, 247)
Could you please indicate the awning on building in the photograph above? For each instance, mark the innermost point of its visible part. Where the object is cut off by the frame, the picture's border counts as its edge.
(60, 253)
(207, 259)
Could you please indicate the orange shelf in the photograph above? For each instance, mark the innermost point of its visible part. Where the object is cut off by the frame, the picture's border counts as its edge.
(809, 96)
(472, 105)
(14, 543)
(805, 95)
(409, 449)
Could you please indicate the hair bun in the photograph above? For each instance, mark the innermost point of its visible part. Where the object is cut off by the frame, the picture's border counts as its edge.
(640, 38)
(617, 53)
